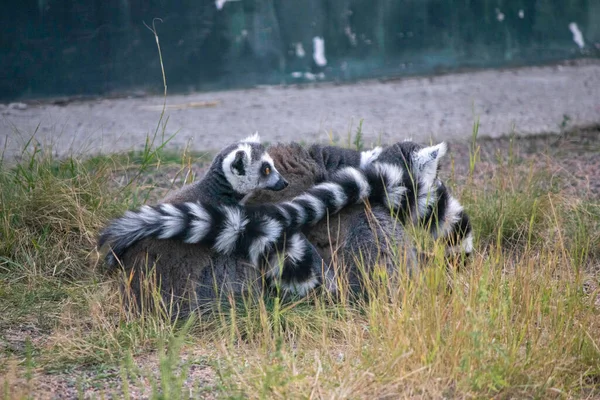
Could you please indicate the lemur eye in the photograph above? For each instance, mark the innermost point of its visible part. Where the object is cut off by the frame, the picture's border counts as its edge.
(266, 169)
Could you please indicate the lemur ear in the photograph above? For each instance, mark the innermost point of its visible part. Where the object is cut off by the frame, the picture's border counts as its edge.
(427, 161)
(237, 166)
(252, 138)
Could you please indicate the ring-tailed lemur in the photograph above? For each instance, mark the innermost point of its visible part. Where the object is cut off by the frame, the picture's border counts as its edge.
(234, 174)
(253, 232)
(355, 240)
(427, 201)
(409, 188)
(194, 274)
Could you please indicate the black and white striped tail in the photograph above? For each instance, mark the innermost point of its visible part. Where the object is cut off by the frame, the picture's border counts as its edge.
(253, 232)
(298, 268)
(447, 220)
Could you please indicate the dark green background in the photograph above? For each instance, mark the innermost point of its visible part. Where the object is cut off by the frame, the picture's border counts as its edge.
(69, 47)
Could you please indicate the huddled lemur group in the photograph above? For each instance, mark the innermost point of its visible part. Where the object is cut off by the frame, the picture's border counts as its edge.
(295, 217)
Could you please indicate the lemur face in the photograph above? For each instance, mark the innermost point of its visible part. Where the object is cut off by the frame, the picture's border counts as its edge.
(427, 163)
(248, 167)
(421, 161)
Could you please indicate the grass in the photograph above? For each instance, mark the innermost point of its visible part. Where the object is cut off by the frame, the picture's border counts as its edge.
(521, 319)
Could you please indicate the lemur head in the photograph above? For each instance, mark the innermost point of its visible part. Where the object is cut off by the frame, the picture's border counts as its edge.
(248, 167)
(421, 162)
(426, 163)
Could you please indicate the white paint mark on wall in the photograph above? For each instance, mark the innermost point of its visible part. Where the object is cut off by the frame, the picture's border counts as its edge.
(499, 15)
(300, 53)
(521, 14)
(351, 36)
(220, 3)
(319, 51)
(309, 76)
(577, 36)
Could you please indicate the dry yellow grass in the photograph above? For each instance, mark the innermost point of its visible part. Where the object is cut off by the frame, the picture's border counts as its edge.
(520, 320)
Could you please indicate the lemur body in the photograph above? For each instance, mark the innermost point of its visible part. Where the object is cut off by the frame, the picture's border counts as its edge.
(256, 232)
(233, 175)
(184, 264)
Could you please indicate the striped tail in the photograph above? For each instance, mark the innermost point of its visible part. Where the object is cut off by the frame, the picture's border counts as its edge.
(426, 199)
(446, 219)
(253, 232)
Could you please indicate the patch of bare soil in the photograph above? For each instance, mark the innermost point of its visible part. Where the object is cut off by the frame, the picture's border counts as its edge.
(572, 158)
(140, 379)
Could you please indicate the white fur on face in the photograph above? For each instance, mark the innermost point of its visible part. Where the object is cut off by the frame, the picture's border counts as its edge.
(451, 218)
(239, 183)
(252, 179)
(425, 198)
(272, 179)
(467, 243)
(466, 246)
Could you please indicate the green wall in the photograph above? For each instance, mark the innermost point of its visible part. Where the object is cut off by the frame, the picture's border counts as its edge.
(70, 47)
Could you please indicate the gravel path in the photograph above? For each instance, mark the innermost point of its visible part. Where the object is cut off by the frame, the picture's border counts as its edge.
(532, 100)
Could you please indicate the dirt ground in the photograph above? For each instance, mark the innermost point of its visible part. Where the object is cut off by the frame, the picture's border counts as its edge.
(526, 100)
